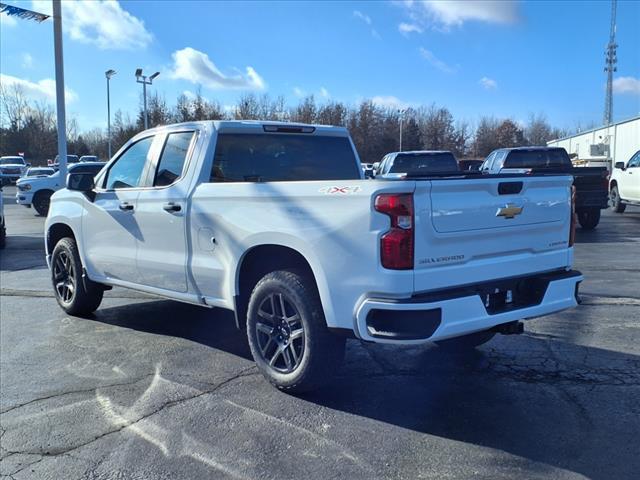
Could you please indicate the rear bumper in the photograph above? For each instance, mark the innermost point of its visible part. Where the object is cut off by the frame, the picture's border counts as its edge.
(456, 312)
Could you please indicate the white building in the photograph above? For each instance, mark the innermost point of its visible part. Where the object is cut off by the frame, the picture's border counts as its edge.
(614, 143)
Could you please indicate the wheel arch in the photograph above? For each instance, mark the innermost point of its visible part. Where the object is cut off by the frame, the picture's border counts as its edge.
(259, 260)
(56, 232)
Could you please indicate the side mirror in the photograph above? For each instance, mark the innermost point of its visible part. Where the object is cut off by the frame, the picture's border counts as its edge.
(619, 165)
(82, 182)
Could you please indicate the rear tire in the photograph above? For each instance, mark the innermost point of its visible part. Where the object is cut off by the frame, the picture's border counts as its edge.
(288, 334)
(76, 296)
(589, 218)
(616, 201)
(467, 342)
(41, 202)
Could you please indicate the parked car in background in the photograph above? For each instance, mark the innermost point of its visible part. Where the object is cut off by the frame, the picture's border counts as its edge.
(624, 186)
(38, 172)
(37, 191)
(255, 216)
(592, 183)
(367, 170)
(418, 162)
(469, 165)
(12, 168)
(89, 158)
(70, 159)
(3, 230)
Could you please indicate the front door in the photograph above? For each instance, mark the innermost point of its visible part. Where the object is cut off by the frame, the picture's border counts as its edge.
(110, 226)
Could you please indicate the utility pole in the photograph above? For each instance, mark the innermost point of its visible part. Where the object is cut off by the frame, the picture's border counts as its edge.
(140, 78)
(109, 74)
(60, 104)
(610, 66)
(401, 113)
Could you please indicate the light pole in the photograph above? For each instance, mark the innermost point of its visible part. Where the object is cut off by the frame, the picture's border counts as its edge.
(109, 74)
(140, 78)
(401, 113)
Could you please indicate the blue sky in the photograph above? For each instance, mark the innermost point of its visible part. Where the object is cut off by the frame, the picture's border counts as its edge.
(507, 59)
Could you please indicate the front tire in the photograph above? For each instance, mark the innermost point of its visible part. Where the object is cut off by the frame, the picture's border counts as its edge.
(616, 201)
(288, 335)
(41, 202)
(589, 218)
(467, 342)
(76, 296)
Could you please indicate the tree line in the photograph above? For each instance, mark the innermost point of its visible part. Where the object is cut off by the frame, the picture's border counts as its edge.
(30, 126)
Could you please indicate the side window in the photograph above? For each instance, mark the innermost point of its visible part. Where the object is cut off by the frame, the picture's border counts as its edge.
(486, 166)
(172, 158)
(635, 161)
(127, 170)
(498, 161)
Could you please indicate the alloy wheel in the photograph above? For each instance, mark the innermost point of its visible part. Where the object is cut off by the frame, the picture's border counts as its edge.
(63, 277)
(280, 333)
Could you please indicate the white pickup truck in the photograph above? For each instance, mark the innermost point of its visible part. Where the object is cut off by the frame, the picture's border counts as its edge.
(624, 186)
(276, 222)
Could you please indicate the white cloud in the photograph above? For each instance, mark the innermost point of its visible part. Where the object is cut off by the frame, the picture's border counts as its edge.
(429, 56)
(42, 90)
(102, 23)
(365, 18)
(196, 67)
(449, 13)
(389, 101)
(488, 83)
(407, 28)
(626, 85)
(298, 92)
(27, 60)
(7, 21)
(324, 93)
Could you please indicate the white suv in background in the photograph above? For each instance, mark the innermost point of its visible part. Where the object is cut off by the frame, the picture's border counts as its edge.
(624, 186)
(37, 191)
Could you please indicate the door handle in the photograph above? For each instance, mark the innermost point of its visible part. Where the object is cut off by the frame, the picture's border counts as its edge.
(125, 207)
(171, 207)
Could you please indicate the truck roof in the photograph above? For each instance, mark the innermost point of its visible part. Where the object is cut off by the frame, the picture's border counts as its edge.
(258, 126)
(531, 148)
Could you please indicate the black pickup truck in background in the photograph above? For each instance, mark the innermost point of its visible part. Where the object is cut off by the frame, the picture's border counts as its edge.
(592, 183)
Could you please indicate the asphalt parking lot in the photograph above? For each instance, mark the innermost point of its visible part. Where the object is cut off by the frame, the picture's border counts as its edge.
(153, 389)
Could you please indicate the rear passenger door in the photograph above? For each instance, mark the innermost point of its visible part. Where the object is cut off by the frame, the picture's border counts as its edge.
(161, 212)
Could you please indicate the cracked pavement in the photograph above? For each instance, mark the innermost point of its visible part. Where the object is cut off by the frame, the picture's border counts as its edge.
(154, 389)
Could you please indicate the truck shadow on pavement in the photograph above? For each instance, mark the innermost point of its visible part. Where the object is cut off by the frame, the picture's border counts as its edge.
(548, 402)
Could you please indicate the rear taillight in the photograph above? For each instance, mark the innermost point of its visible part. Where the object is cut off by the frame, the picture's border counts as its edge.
(572, 230)
(396, 245)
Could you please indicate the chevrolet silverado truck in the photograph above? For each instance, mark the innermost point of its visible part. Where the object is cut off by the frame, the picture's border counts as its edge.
(275, 222)
(592, 193)
(624, 186)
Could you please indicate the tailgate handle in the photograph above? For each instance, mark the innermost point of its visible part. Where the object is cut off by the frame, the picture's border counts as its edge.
(510, 188)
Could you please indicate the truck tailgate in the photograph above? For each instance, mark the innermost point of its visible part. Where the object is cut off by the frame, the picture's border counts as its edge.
(472, 230)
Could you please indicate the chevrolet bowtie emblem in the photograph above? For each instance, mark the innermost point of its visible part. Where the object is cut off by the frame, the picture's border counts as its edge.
(509, 211)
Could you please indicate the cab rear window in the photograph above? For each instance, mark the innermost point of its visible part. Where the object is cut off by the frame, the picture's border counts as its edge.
(242, 157)
(552, 158)
(424, 163)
